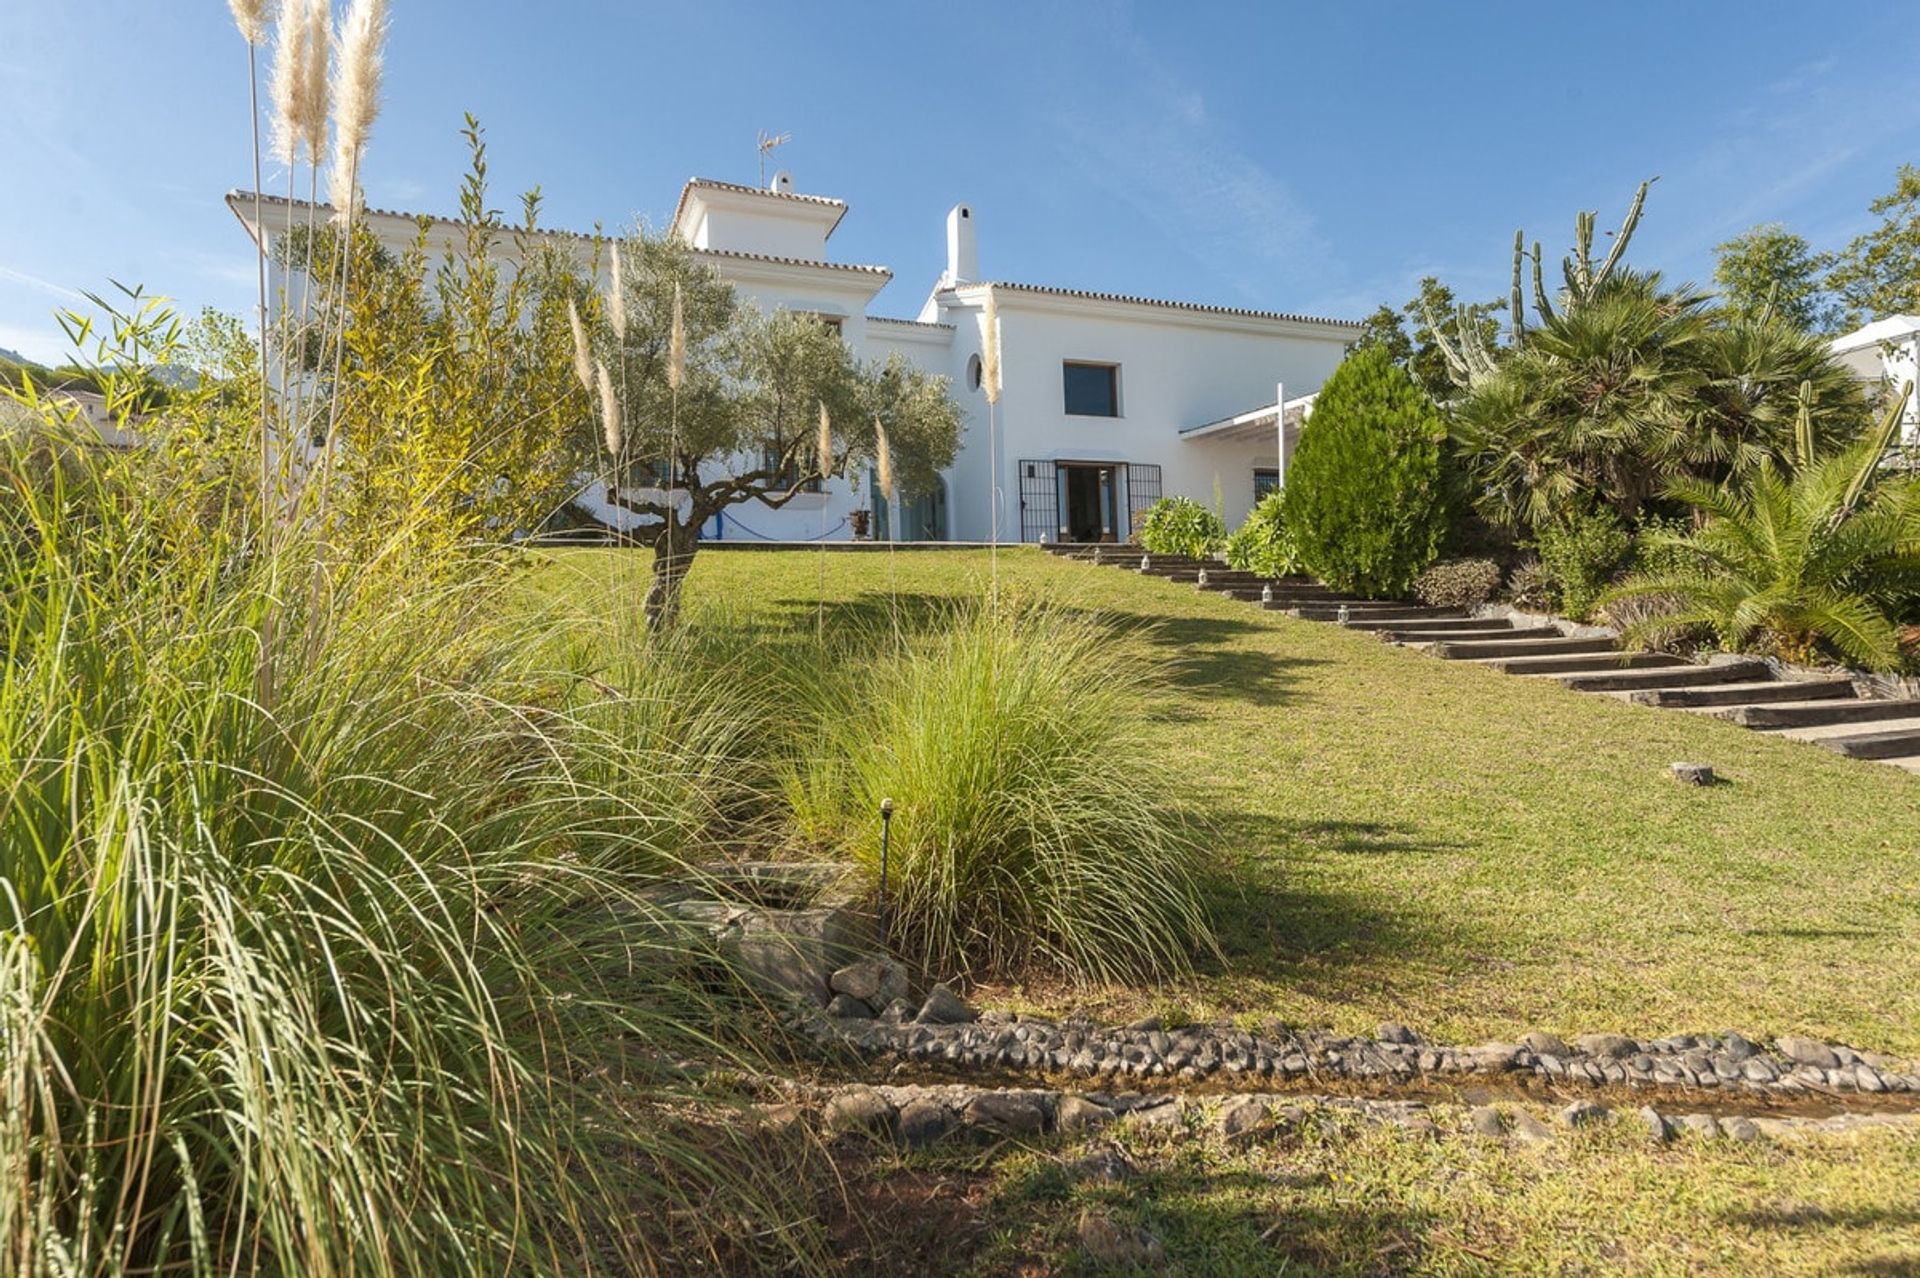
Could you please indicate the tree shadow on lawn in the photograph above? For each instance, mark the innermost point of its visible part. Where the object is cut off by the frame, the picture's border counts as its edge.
(1237, 1221)
(1806, 1220)
(1198, 651)
(1278, 924)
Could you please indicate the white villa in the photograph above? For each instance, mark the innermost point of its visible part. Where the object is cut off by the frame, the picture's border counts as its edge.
(1886, 356)
(1108, 402)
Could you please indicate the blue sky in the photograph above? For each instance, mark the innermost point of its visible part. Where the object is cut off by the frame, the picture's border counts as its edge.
(1318, 158)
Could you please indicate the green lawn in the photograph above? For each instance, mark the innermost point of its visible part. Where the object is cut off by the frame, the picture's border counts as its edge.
(1475, 855)
(1471, 853)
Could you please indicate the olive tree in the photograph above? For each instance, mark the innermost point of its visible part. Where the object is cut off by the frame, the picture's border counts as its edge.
(730, 410)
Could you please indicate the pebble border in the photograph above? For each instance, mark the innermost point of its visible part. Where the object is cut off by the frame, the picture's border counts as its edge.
(945, 1031)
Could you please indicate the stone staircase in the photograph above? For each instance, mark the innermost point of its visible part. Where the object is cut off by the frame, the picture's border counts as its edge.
(1830, 712)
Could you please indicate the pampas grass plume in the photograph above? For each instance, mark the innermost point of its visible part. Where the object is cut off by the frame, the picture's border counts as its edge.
(824, 444)
(990, 353)
(882, 460)
(316, 95)
(677, 344)
(251, 17)
(582, 354)
(617, 298)
(609, 413)
(286, 82)
(356, 95)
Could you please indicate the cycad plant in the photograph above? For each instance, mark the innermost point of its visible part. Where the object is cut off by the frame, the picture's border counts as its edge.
(1797, 562)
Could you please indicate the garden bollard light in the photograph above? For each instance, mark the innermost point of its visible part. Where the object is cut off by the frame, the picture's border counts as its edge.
(886, 838)
(1266, 593)
(1145, 563)
(1203, 579)
(1344, 614)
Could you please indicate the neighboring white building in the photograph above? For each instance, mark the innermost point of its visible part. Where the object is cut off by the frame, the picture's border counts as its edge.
(1107, 403)
(1886, 354)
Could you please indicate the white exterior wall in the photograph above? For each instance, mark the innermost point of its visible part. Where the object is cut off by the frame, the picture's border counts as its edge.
(1176, 369)
(1179, 367)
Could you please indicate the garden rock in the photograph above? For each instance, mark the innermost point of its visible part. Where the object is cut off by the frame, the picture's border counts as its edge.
(857, 1109)
(875, 981)
(1542, 1043)
(1657, 1125)
(848, 1008)
(1807, 1051)
(1108, 1242)
(1010, 1113)
(1076, 1113)
(1703, 1125)
(1529, 1130)
(1171, 1112)
(1394, 1032)
(1239, 1118)
(1109, 1166)
(1740, 1129)
(1612, 1046)
(1582, 1113)
(922, 1121)
(1693, 773)
(944, 1007)
(1487, 1121)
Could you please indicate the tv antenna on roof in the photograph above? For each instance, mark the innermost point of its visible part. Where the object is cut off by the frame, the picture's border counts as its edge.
(768, 141)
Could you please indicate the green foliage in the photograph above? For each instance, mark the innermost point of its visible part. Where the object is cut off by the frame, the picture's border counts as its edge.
(1799, 563)
(1640, 386)
(1527, 586)
(323, 945)
(744, 424)
(1182, 526)
(1410, 339)
(1878, 273)
(1262, 544)
(1770, 271)
(1579, 553)
(1031, 826)
(1366, 495)
(1458, 583)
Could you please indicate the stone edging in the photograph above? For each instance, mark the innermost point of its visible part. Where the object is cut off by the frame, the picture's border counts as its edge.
(946, 1031)
(920, 1114)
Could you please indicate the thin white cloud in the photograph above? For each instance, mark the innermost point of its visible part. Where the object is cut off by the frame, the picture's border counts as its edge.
(1160, 152)
(61, 291)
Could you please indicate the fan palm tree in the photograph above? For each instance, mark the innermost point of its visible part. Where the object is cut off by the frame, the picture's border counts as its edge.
(1641, 387)
(1799, 560)
(1588, 404)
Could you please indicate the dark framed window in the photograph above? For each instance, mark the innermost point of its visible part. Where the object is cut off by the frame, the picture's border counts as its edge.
(1266, 479)
(1092, 390)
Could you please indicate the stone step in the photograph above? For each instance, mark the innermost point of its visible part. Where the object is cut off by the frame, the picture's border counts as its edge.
(1808, 714)
(1560, 645)
(1734, 694)
(1365, 610)
(1580, 663)
(1440, 634)
(1453, 625)
(1252, 594)
(1685, 674)
(1887, 739)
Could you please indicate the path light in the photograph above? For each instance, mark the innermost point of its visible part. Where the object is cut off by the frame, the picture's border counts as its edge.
(886, 838)
(1266, 593)
(1344, 614)
(1203, 579)
(1146, 562)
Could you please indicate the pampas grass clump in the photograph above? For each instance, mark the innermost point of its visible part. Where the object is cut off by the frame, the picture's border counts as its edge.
(352, 975)
(1031, 826)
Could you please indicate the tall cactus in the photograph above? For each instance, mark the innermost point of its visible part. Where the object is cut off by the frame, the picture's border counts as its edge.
(1469, 361)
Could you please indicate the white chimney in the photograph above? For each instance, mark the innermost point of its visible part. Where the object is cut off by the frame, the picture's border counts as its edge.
(963, 256)
(782, 183)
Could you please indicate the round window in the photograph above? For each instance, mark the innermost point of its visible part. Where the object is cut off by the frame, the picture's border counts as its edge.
(973, 372)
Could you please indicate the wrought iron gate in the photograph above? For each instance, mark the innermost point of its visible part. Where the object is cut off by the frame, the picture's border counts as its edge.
(1039, 502)
(1143, 490)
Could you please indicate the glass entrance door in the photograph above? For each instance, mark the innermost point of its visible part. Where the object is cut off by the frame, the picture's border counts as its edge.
(1088, 502)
